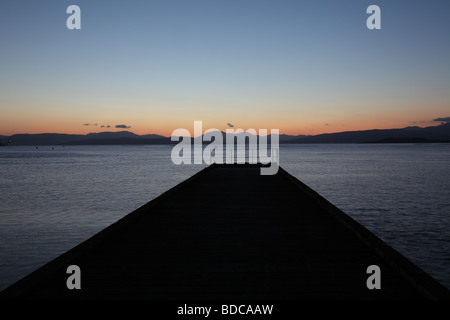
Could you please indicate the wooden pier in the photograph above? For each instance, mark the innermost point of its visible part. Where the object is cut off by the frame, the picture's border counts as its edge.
(230, 233)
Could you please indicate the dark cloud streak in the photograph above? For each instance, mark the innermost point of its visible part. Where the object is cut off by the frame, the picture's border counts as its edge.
(446, 119)
(101, 126)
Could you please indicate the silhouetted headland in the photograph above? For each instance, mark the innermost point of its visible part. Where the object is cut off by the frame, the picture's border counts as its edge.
(230, 233)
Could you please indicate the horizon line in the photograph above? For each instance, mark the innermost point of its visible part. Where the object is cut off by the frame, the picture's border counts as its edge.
(244, 131)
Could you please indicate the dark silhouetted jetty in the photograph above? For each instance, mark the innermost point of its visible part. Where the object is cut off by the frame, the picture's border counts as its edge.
(230, 233)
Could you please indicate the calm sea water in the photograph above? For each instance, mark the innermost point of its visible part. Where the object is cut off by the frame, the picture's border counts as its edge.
(53, 198)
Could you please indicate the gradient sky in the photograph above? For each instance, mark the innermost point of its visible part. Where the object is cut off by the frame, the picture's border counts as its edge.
(304, 67)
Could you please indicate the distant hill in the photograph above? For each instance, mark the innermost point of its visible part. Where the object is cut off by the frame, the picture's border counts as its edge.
(285, 138)
(431, 134)
(120, 141)
(122, 137)
(43, 138)
(410, 140)
(111, 135)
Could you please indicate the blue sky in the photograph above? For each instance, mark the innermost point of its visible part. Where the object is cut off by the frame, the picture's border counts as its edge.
(160, 65)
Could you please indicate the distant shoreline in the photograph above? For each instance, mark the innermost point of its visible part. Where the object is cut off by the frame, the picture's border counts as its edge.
(386, 142)
(434, 134)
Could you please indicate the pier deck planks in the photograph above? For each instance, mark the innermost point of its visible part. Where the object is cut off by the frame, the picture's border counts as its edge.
(231, 233)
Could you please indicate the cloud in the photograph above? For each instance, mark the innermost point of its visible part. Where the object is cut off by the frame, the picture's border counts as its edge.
(123, 126)
(446, 119)
(419, 122)
(103, 125)
(230, 125)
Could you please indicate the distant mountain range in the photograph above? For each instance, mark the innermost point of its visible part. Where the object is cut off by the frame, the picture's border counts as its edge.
(107, 138)
(440, 133)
